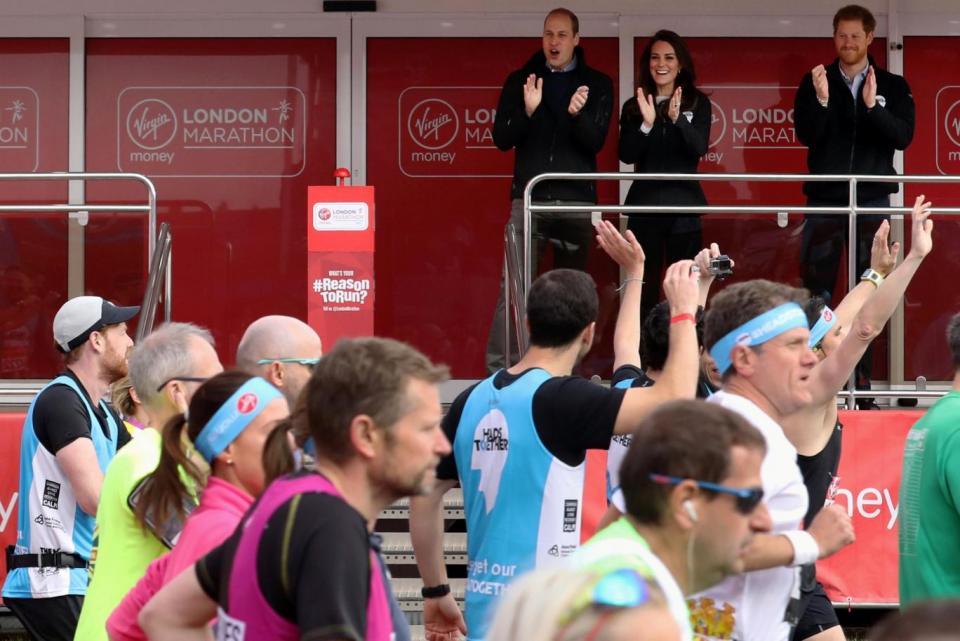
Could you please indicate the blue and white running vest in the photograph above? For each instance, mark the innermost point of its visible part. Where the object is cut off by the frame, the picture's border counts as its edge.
(523, 505)
(48, 516)
(618, 449)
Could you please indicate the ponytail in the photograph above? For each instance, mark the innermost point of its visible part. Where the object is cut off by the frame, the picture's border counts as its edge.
(164, 493)
(278, 459)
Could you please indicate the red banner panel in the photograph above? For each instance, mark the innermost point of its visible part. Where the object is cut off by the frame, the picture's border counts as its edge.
(443, 189)
(340, 278)
(232, 131)
(11, 426)
(869, 488)
(932, 67)
(34, 84)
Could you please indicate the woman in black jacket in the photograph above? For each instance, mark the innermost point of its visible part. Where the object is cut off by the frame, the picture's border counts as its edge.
(665, 129)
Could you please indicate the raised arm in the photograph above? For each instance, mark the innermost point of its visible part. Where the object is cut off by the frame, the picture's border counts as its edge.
(626, 252)
(883, 258)
(702, 261)
(830, 374)
(680, 372)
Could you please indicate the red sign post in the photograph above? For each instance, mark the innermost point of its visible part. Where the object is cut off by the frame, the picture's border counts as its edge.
(340, 242)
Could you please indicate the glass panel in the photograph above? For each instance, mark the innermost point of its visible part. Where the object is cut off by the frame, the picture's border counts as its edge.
(33, 246)
(931, 68)
(232, 131)
(443, 189)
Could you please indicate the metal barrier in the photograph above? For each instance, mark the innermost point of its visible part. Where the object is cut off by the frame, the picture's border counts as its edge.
(851, 210)
(515, 301)
(13, 392)
(160, 267)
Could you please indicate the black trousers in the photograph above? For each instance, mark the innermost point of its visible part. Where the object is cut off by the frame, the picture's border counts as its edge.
(568, 236)
(824, 239)
(49, 619)
(665, 240)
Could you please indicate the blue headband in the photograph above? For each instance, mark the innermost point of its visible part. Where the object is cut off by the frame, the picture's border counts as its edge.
(233, 416)
(758, 331)
(823, 325)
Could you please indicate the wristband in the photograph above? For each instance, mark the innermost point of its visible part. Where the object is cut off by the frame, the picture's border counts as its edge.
(805, 547)
(623, 285)
(823, 103)
(873, 276)
(679, 318)
(436, 591)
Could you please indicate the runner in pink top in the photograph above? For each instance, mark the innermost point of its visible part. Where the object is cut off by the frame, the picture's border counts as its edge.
(222, 505)
(303, 563)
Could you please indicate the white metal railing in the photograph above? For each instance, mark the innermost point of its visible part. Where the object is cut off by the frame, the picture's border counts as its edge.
(851, 210)
(13, 392)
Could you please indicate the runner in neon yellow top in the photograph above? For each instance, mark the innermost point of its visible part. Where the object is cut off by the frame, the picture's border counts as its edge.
(129, 548)
(135, 521)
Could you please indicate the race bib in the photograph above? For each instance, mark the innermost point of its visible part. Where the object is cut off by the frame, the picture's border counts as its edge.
(228, 628)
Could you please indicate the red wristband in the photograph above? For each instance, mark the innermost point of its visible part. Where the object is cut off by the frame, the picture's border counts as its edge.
(682, 317)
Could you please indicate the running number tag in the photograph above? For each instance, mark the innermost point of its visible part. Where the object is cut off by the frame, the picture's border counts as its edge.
(228, 628)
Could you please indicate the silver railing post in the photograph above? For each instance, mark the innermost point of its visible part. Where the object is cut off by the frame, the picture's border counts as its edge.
(851, 275)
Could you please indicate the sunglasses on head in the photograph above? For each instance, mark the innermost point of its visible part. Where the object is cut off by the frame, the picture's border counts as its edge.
(623, 588)
(306, 362)
(746, 498)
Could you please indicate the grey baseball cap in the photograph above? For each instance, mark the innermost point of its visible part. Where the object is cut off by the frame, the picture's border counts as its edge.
(84, 314)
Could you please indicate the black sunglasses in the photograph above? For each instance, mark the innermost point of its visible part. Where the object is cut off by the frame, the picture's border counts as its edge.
(182, 379)
(746, 498)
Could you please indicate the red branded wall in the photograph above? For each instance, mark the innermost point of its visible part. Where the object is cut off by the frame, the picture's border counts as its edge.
(932, 68)
(232, 131)
(33, 247)
(443, 190)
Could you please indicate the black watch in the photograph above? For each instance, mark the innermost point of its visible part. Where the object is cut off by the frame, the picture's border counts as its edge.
(436, 591)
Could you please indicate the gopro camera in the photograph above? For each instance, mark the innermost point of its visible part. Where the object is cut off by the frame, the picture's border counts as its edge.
(721, 266)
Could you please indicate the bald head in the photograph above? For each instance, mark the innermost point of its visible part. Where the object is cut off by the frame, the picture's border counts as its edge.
(280, 340)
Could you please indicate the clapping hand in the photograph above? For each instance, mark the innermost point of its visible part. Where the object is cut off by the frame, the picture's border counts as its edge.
(647, 107)
(532, 93)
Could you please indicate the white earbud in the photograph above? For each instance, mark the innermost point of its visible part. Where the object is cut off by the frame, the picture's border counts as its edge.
(690, 510)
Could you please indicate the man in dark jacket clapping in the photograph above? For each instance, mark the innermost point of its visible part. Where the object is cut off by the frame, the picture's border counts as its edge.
(555, 112)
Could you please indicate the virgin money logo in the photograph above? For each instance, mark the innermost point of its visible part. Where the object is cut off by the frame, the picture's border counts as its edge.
(947, 126)
(827, 315)
(951, 123)
(151, 124)
(718, 124)
(324, 214)
(433, 123)
(247, 403)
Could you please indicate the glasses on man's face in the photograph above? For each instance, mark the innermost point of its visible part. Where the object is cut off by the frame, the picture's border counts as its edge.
(309, 363)
(746, 498)
(623, 588)
(182, 379)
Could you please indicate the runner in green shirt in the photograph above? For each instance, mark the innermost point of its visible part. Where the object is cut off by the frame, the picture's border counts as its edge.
(930, 496)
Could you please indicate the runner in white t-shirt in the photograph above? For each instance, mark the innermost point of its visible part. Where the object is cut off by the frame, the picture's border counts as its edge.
(757, 333)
